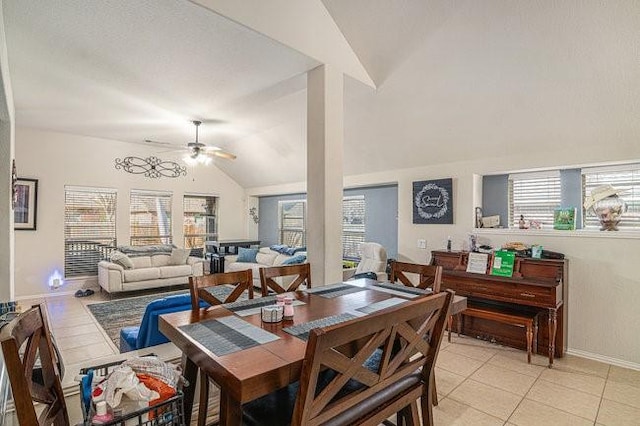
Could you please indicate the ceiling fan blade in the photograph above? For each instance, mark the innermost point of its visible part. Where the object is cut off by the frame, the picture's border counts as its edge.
(218, 152)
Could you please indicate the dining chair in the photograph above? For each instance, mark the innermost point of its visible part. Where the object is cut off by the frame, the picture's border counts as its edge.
(364, 370)
(29, 332)
(207, 288)
(217, 289)
(301, 273)
(429, 276)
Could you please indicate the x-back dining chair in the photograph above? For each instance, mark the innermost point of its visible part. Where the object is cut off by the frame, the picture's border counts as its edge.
(216, 289)
(302, 273)
(429, 276)
(31, 330)
(364, 370)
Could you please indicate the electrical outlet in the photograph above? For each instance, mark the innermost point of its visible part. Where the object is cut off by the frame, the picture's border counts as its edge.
(422, 244)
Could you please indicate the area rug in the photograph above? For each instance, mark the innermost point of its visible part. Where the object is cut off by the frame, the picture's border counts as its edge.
(123, 312)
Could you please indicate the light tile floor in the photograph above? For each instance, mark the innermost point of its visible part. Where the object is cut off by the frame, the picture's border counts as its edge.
(478, 383)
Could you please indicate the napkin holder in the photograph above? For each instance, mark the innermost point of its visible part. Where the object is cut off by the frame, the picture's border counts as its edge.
(272, 314)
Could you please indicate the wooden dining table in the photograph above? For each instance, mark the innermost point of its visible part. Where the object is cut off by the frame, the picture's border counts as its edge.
(247, 374)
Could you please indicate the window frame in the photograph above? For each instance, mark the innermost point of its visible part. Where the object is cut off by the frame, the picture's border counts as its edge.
(87, 249)
(534, 209)
(350, 249)
(212, 217)
(139, 240)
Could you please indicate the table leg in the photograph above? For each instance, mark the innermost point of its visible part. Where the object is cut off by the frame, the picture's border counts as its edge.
(230, 410)
(553, 328)
(190, 371)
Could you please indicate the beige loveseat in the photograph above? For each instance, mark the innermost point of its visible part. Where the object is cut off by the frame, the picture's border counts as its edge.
(150, 270)
(265, 258)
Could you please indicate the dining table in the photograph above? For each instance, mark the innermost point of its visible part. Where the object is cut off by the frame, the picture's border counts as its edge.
(248, 358)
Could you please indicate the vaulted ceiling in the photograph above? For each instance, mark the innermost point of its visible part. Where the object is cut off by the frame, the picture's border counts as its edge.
(455, 79)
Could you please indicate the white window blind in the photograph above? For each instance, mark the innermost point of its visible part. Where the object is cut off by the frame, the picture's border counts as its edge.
(150, 218)
(200, 220)
(534, 196)
(89, 229)
(292, 222)
(353, 225)
(626, 178)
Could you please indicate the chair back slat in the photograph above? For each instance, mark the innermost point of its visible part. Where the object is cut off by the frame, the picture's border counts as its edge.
(302, 273)
(429, 276)
(405, 339)
(240, 280)
(31, 330)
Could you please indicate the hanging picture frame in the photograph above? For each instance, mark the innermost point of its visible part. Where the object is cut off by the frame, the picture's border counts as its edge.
(26, 204)
(433, 201)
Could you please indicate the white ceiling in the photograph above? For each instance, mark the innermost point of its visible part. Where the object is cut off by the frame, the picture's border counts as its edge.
(457, 79)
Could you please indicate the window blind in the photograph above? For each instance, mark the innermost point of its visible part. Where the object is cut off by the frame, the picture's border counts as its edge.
(292, 222)
(534, 196)
(89, 229)
(150, 218)
(625, 178)
(353, 226)
(199, 221)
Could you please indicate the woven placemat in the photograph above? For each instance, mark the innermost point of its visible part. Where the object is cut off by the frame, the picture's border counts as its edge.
(227, 335)
(302, 330)
(248, 307)
(400, 290)
(334, 290)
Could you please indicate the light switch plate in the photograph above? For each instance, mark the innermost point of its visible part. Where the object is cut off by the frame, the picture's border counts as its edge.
(422, 244)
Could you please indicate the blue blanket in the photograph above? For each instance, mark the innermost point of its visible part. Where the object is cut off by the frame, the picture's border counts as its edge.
(285, 249)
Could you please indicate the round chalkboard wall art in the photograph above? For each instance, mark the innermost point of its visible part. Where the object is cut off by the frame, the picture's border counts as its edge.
(432, 201)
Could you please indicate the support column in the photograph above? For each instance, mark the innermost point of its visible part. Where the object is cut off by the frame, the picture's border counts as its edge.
(325, 137)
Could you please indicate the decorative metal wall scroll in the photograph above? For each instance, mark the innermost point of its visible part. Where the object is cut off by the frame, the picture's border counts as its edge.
(433, 201)
(151, 167)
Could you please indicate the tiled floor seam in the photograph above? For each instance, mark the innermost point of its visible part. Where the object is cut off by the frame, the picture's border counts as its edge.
(560, 409)
(523, 398)
(602, 394)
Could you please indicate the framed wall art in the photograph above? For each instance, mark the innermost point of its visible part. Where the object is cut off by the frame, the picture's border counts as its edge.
(433, 201)
(26, 204)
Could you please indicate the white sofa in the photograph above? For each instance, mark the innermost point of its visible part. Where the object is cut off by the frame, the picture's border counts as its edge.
(149, 271)
(265, 258)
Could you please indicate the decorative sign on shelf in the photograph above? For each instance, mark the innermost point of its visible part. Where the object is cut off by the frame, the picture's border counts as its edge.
(151, 167)
(433, 201)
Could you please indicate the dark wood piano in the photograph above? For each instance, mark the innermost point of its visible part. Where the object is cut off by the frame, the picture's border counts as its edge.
(537, 284)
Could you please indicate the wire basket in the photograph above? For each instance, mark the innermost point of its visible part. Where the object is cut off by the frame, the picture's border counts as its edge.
(169, 412)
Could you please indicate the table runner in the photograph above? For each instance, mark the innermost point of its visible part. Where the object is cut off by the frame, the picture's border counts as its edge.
(400, 290)
(244, 308)
(302, 330)
(226, 335)
(335, 290)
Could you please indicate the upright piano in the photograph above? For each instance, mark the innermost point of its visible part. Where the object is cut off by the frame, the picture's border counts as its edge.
(538, 284)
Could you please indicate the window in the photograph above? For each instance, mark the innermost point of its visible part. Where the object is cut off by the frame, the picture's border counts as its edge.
(353, 226)
(292, 219)
(534, 196)
(625, 178)
(89, 229)
(150, 218)
(292, 224)
(200, 222)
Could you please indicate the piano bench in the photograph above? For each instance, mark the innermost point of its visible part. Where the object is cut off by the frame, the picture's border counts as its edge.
(526, 320)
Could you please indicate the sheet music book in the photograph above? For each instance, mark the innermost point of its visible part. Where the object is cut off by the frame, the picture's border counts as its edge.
(478, 263)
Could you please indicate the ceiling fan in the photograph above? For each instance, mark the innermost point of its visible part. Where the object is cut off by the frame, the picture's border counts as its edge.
(199, 153)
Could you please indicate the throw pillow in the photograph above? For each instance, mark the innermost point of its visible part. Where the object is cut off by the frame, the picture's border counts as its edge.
(295, 260)
(246, 255)
(121, 259)
(179, 256)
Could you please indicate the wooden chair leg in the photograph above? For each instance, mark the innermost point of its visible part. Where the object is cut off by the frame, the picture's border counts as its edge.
(529, 341)
(427, 403)
(408, 416)
(449, 327)
(535, 334)
(204, 399)
(434, 391)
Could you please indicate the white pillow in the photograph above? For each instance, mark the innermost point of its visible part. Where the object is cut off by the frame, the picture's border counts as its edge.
(121, 259)
(179, 256)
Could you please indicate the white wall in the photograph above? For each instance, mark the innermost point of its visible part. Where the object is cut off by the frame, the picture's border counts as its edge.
(603, 286)
(58, 159)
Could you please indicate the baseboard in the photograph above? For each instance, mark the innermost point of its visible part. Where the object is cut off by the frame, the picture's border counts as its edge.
(69, 288)
(613, 361)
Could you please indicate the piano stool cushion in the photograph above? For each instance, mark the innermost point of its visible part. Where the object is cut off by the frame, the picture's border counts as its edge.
(277, 407)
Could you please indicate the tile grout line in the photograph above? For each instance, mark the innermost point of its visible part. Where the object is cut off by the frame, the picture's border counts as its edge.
(602, 395)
